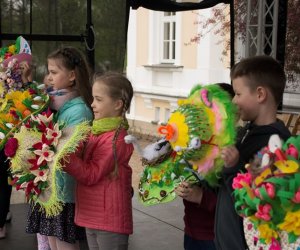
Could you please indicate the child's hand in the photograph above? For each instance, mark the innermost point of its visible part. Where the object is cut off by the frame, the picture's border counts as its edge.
(26, 72)
(190, 192)
(230, 156)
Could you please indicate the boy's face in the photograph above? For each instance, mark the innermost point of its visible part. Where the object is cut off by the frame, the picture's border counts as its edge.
(245, 99)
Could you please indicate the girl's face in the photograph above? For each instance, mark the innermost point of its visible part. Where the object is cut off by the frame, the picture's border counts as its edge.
(103, 105)
(59, 77)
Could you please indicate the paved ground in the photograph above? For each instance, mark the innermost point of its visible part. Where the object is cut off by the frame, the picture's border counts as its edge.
(156, 227)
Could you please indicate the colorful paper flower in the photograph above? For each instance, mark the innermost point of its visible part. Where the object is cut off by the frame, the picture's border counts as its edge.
(54, 134)
(267, 233)
(41, 175)
(11, 147)
(291, 222)
(45, 154)
(264, 212)
(241, 180)
(296, 198)
(269, 188)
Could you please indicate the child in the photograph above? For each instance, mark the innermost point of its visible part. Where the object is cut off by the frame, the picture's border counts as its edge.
(5, 193)
(68, 75)
(199, 209)
(258, 83)
(103, 197)
(5, 187)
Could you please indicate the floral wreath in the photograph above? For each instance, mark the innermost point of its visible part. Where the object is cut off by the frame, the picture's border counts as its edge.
(267, 196)
(36, 180)
(17, 106)
(35, 153)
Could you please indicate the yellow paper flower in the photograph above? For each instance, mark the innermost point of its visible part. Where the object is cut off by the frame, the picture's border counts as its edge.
(266, 233)
(291, 223)
(18, 96)
(181, 137)
(12, 49)
(156, 177)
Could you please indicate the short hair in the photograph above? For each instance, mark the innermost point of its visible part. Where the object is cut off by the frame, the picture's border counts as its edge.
(227, 87)
(262, 71)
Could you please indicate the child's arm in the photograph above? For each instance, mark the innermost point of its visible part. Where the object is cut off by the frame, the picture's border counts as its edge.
(101, 164)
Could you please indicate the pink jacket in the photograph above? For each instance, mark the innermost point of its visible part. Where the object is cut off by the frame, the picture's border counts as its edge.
(103, 202)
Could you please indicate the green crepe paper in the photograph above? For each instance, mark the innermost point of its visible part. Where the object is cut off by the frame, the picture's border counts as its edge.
(158, 182)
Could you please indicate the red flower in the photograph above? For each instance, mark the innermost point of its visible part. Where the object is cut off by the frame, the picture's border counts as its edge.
(11, 147)
(241, 180)
(31, 91)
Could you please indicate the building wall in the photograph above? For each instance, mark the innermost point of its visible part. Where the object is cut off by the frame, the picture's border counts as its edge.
(161, 85)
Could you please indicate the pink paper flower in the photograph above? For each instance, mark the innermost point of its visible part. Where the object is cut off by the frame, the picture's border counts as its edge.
(270, 189)
(240, 180)
(11, 147)
(263, 212)
(292, 151)
(296, 198)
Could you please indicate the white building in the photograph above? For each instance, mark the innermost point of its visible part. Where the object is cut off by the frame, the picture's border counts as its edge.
(163, 66)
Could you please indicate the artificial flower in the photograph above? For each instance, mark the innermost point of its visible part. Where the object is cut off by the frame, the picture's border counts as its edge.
(180, 137)
(292, 151)
(46, 154)
(45, 118)
(11, 147)
(156, 177)
(241, 180)
(35, 106)
(296, 198)
(264, 212)
(291, 223)
(54, 134)
(270, 189)
(266, 233)
(41, 175)
(34, 163)
(2, 136)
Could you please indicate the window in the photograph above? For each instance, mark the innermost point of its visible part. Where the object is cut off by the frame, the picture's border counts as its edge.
(261, 26)
(157, 114)
(167, 115)
(169, 37)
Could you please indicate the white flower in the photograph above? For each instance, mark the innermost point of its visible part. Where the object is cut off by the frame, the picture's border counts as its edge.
(34, 106)
(45, 119)
(54, 134)
(9, 125)
(37, 98)
(41, 175)
(41, 86)
(45, 154)
(35, 119)
(2, 135)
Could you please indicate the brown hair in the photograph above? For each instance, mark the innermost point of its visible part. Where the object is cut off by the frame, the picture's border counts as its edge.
(262, 71)
(119, 88)
(72, 59)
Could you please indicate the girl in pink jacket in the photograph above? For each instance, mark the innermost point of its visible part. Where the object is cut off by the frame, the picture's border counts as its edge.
(103, 195)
